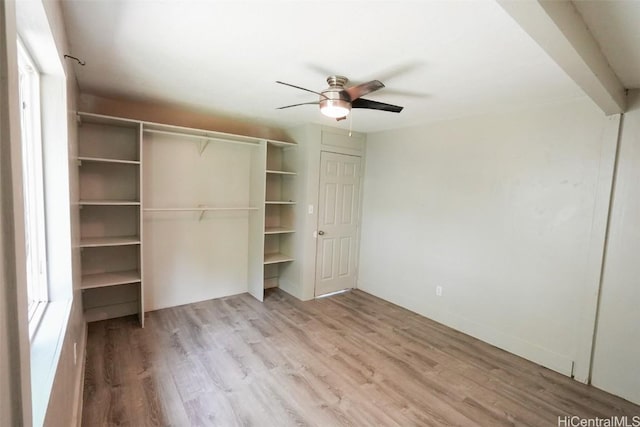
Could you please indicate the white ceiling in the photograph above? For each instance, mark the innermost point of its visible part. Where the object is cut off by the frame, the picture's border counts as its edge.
(438, 59)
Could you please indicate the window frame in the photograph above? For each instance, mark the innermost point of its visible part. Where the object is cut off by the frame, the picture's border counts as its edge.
(33, 186)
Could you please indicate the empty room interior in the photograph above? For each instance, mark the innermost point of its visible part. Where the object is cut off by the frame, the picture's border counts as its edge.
(274, 213)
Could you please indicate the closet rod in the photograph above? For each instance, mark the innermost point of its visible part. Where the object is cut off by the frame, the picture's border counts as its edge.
(205, 137)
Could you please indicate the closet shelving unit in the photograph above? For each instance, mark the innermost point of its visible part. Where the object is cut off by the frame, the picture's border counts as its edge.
(280, 201)
(109, 161)
(113, 210)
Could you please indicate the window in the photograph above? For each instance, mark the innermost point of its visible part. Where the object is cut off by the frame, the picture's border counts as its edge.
(33, 186)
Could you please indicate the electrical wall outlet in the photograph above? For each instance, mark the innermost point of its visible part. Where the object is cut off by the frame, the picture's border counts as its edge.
(439, 291)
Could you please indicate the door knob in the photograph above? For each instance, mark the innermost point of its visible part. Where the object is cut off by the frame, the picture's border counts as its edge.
(320, 233)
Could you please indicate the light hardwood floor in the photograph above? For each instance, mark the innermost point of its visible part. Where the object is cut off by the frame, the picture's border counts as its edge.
(350, 359)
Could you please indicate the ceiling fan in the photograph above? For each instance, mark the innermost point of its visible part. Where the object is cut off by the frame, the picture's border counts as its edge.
(337, 101)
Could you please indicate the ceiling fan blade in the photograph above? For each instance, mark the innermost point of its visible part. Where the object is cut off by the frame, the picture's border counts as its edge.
(398, 70)
(301, 88)
(356, 92)
(407, 93)
(295, 105)
(375, 105)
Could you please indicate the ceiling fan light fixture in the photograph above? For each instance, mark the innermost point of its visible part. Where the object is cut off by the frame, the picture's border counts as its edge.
(335, 108)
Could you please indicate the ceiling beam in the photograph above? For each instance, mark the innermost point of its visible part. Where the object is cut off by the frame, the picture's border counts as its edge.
(560, 30)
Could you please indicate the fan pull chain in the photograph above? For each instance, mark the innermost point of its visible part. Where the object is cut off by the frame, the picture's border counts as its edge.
(350, 124)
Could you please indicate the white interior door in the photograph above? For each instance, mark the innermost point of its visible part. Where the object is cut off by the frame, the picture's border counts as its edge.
(338, 218)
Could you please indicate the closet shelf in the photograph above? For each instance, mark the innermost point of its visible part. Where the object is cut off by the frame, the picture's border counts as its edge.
(280, 172)
(201, 209)
(109, 311)
(278, 230)
(279, 202)
(106, 160)
(276, 258)
(282, 143)
(91, 281)
(109, 203)
(106, 120)
(204, 137)
(95, 242)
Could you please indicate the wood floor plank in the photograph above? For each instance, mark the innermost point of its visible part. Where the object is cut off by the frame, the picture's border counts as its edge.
(348, 360)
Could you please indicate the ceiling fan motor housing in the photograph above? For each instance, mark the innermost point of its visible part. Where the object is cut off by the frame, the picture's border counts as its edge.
(335, 98)
(337, 81)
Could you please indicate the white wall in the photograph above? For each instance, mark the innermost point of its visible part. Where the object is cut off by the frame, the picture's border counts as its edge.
(616, 364)
(507, 213)
(66, 375)
(308, 173)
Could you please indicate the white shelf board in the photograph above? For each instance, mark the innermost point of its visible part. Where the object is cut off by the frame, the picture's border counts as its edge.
(205, 136)
(282, 143)
(201, 209)
(278, 202)
(107, 120)
(151, 127)
(106, 160)
(111, 311)
(271, 282)
(95, 242)
(280, 172)
(276, 258)
(278, 230)
(91, 281)
(109, 203)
